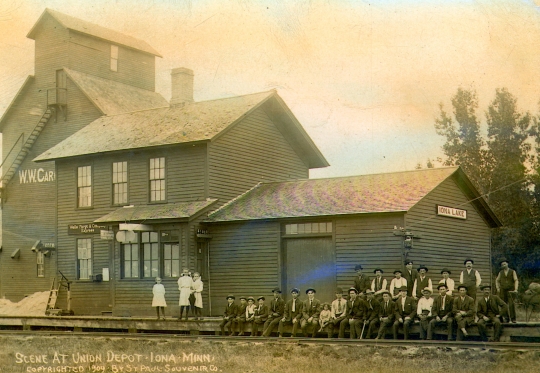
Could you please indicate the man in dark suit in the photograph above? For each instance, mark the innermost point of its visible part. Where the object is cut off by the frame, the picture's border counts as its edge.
(277, 308)
(386, 314)
(410, 275)
(463, 310)
(229, 315)
(292, 313)
(442, 312)
(361, 282)
(240, 318)
(371, 313)
(405, 312)
(490, 308)
(261, 314)
(310, 313)
(353, 319)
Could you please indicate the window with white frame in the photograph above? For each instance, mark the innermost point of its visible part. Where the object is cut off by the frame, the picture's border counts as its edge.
(171, 253)
(157, 179)
(131, 260)
(40, 264)
(150, 244)
(84, 258)
(114, 58)
(84, 186)
(120, 183)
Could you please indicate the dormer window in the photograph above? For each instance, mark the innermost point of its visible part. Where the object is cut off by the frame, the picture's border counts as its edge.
(114, 58)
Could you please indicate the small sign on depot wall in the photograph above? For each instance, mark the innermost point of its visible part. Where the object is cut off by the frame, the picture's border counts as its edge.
(451, 212)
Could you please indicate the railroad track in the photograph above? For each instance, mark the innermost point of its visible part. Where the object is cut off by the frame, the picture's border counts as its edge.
(515, 346)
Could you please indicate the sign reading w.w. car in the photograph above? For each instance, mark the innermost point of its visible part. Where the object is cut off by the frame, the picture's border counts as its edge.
(35, 175)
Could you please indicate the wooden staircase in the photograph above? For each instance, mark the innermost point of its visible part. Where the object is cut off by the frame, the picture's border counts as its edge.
(25, 149)
(56, 286)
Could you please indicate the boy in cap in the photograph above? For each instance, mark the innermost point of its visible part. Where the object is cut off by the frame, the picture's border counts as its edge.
(489, 309)
(240, 318)
(371, 313)
(506, 283)
(361, 282)
(470, 278)
(396, 283)
(261, 314)
(338, 312)
(423, 312)
(404, 313)
(250, 310)
(442, 312)
(447, 281)
(463, 310)
(310, 316)
(229, 315)
(277, 308)
(410, 275)
(421, 282)
(386, 314)
(292, 313)
(353, 318)
(378, 285)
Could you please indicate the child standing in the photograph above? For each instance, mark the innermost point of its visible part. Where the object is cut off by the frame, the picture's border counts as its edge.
(324, 316)
(184, 285)
(159, 297)
(196, 290)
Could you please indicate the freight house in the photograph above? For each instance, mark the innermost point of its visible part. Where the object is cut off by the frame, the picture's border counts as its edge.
(141, 187)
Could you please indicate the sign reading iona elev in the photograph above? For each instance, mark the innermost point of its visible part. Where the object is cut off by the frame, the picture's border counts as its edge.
(451, 212)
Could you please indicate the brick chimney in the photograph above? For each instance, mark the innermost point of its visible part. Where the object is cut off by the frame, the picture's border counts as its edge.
(181, 86)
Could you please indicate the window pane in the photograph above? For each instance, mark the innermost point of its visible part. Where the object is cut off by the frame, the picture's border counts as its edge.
(135, 252)
(153, 237)
(329, 227)
(315, 228)
(301, 228)
(176, 251)
(135, 269)
(175, 268)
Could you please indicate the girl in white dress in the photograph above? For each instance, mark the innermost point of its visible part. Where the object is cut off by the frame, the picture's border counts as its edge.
(159, 297)
(184, 285)
(196, 289)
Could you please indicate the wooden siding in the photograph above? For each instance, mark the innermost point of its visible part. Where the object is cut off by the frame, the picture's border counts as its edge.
(447, 242)
(244, 260)
(92, 56)
(367, 240)
(253, 151)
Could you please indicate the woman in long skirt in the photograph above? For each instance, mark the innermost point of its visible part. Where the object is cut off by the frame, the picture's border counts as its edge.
(184, 285)
(159, 297)
(197, 288)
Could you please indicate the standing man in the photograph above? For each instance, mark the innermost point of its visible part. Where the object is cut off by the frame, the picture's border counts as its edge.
(378, 285)
(490, 308)
(421, 282)
(506, 283)
(293, 313)
(463, 310)
(353, 317)
(447, 281)
(442, 313)
(339, 312)
(371, 313)
(470, 278)
(361, 282)
(310, 316)
(397, 282)
(410, 275)
(386, 314)
(404, 313)
(277, 308)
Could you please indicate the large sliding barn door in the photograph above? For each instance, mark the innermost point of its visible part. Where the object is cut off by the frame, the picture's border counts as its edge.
(310, 263)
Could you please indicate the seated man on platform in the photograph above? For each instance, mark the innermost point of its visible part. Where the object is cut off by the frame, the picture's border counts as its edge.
(463, 310)
(229, 315)
(261, 314)
(240, 318)
(490, 308)
(423, 312)
(386, 314)
(310, 316)
(292, 313)
(353, 316)
(338, 312)
(404, 313)
(371, 313)
(277, 308)
(442, 313)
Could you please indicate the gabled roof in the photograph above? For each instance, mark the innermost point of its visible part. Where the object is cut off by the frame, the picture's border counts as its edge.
(183, 210)
(192, 122)
(27, 81)
(112, 97)
(378, 193)
(88, 28)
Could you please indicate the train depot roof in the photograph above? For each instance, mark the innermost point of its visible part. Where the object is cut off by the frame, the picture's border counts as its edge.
(363, 194)
(187, 123)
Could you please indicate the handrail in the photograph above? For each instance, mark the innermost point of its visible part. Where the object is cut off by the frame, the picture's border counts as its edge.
(13, 147)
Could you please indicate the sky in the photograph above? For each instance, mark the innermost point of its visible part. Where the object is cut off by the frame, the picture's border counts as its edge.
(365, 79)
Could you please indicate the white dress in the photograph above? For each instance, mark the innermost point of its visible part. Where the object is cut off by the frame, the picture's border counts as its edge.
(159, 296)
(197, 288)
(184, 285)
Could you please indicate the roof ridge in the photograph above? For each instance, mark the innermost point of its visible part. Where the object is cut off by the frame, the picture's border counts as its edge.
(231, 97)
(235, 199)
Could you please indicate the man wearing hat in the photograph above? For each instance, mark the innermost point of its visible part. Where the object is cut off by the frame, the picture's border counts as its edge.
(489, 309)
(261, 314)
(463, 310)
(338, 312)
(410, 275)
(378, 285)
(404, 313)
(506, 283)
(361, 282)
(447, 281)
(423, 311)
(353, 318)
(442, 312)
(470, 278)
(240, 318)
(421, 282)
(229, 315)
(386, 314)
(292, 313)
(310, 313)
(371, 313)
(396, 283)
(277, 308)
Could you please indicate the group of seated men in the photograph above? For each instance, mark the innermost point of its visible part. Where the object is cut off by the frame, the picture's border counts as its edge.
(370, 310)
